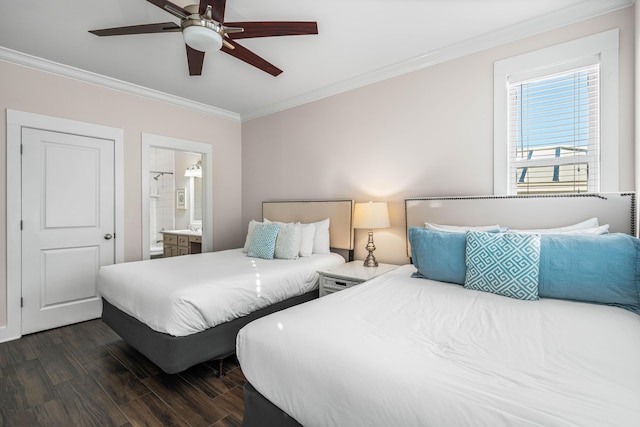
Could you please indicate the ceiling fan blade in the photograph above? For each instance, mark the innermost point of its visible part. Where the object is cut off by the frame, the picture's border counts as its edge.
(217, 9)
(195, 59)
(162, 27)
(272, 28)
(244, 54)
(173, 9)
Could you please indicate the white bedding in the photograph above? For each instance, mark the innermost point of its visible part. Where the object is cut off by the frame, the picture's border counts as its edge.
(399, 351)
(188, 294)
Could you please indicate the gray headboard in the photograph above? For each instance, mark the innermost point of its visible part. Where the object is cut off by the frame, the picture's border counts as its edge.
(536, 211)
(339, 212)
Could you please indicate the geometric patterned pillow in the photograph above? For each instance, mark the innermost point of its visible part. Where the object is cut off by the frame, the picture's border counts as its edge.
(503, 263)
(262, 243)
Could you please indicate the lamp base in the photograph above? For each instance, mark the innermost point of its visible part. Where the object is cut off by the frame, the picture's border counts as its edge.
(370, 261)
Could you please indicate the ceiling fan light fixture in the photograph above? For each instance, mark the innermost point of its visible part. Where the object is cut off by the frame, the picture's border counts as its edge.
(202, 38)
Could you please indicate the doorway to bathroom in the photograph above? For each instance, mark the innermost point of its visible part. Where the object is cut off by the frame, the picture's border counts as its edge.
(176, 200)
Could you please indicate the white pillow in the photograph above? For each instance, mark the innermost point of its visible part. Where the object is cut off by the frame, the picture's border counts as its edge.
(321, 242)
(250, 228)
(461, 228)
(320, 237)
(288, 241)
(308, 232)
(590, 223)
(602, 229)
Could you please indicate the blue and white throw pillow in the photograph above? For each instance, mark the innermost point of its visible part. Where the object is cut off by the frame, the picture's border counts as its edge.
(262, 243)
(504, 264)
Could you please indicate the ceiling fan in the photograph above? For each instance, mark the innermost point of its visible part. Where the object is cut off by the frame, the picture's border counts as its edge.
(204, 30)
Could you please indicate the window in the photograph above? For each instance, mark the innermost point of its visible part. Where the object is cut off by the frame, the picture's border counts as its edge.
(556, 118)
(554, 135)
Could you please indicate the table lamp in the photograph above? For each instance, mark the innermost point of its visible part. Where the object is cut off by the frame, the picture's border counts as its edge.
(371, 215)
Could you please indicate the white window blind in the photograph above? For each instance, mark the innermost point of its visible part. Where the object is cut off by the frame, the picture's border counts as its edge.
(554, 135)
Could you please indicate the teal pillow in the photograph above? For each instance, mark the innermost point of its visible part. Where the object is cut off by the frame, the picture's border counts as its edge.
(504, 264)
(602, 269)
(438, 255)
(262, 243)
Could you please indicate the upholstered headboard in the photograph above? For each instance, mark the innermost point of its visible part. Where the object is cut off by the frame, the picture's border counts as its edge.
(339, 212)
(520, 212)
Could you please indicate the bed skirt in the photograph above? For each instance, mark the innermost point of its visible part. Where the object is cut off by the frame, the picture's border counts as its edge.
(260, 412)
(175, 354)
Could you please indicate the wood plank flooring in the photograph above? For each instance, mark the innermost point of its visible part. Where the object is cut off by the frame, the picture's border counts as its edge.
(86, 375)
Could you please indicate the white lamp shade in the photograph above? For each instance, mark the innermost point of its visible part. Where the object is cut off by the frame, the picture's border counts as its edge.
(202, 38)
(371, 215)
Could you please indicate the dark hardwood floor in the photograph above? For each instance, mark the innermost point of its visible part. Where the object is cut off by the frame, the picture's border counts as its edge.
(85, 375)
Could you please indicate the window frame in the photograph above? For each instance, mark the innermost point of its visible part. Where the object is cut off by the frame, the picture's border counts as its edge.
(547, 61)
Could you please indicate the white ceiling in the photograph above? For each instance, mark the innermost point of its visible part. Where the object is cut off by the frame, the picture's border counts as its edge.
(359, 42)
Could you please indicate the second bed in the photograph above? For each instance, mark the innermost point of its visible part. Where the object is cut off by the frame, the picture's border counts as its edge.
(182, 311)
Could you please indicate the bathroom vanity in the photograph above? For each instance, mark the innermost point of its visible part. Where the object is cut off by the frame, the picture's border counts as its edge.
(181, 242)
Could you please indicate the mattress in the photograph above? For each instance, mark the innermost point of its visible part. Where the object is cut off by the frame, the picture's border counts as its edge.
(402, 351)
(184, 295)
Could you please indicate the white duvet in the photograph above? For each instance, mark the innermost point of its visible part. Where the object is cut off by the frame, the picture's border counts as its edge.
(398, 351)
(188, 294)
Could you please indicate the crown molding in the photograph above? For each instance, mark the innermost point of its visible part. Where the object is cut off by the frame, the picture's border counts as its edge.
(9, 55)
(567, 16)
(552, 21)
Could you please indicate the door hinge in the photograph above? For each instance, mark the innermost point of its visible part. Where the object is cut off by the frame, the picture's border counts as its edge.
(21, 302)
(21, 145)
(21, 225)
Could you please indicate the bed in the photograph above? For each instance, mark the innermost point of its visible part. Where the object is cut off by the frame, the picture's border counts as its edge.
(181, 311)
(404, 349)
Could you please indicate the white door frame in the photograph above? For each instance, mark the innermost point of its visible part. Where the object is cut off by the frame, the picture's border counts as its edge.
(16, 120)
(206, 150)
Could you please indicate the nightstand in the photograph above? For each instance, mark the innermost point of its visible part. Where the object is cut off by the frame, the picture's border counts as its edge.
(348, 275)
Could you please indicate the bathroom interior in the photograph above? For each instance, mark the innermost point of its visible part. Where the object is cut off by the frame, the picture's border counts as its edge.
(175, 205)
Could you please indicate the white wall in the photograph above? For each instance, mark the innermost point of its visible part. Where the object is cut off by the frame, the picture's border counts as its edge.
(426, 133)
(29, 90)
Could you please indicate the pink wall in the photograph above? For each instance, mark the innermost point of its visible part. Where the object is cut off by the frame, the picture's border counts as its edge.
(33, 91)
(426, 133)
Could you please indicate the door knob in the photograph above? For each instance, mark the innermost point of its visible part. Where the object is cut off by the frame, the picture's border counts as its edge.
(108, 236)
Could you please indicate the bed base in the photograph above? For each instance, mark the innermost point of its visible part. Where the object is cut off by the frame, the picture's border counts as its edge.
(175, 354)
(260, 412)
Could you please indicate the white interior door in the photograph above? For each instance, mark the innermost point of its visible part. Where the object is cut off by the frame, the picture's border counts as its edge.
(68, 230)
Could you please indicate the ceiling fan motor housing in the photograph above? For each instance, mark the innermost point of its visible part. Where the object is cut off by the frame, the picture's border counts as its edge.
(201, 32)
